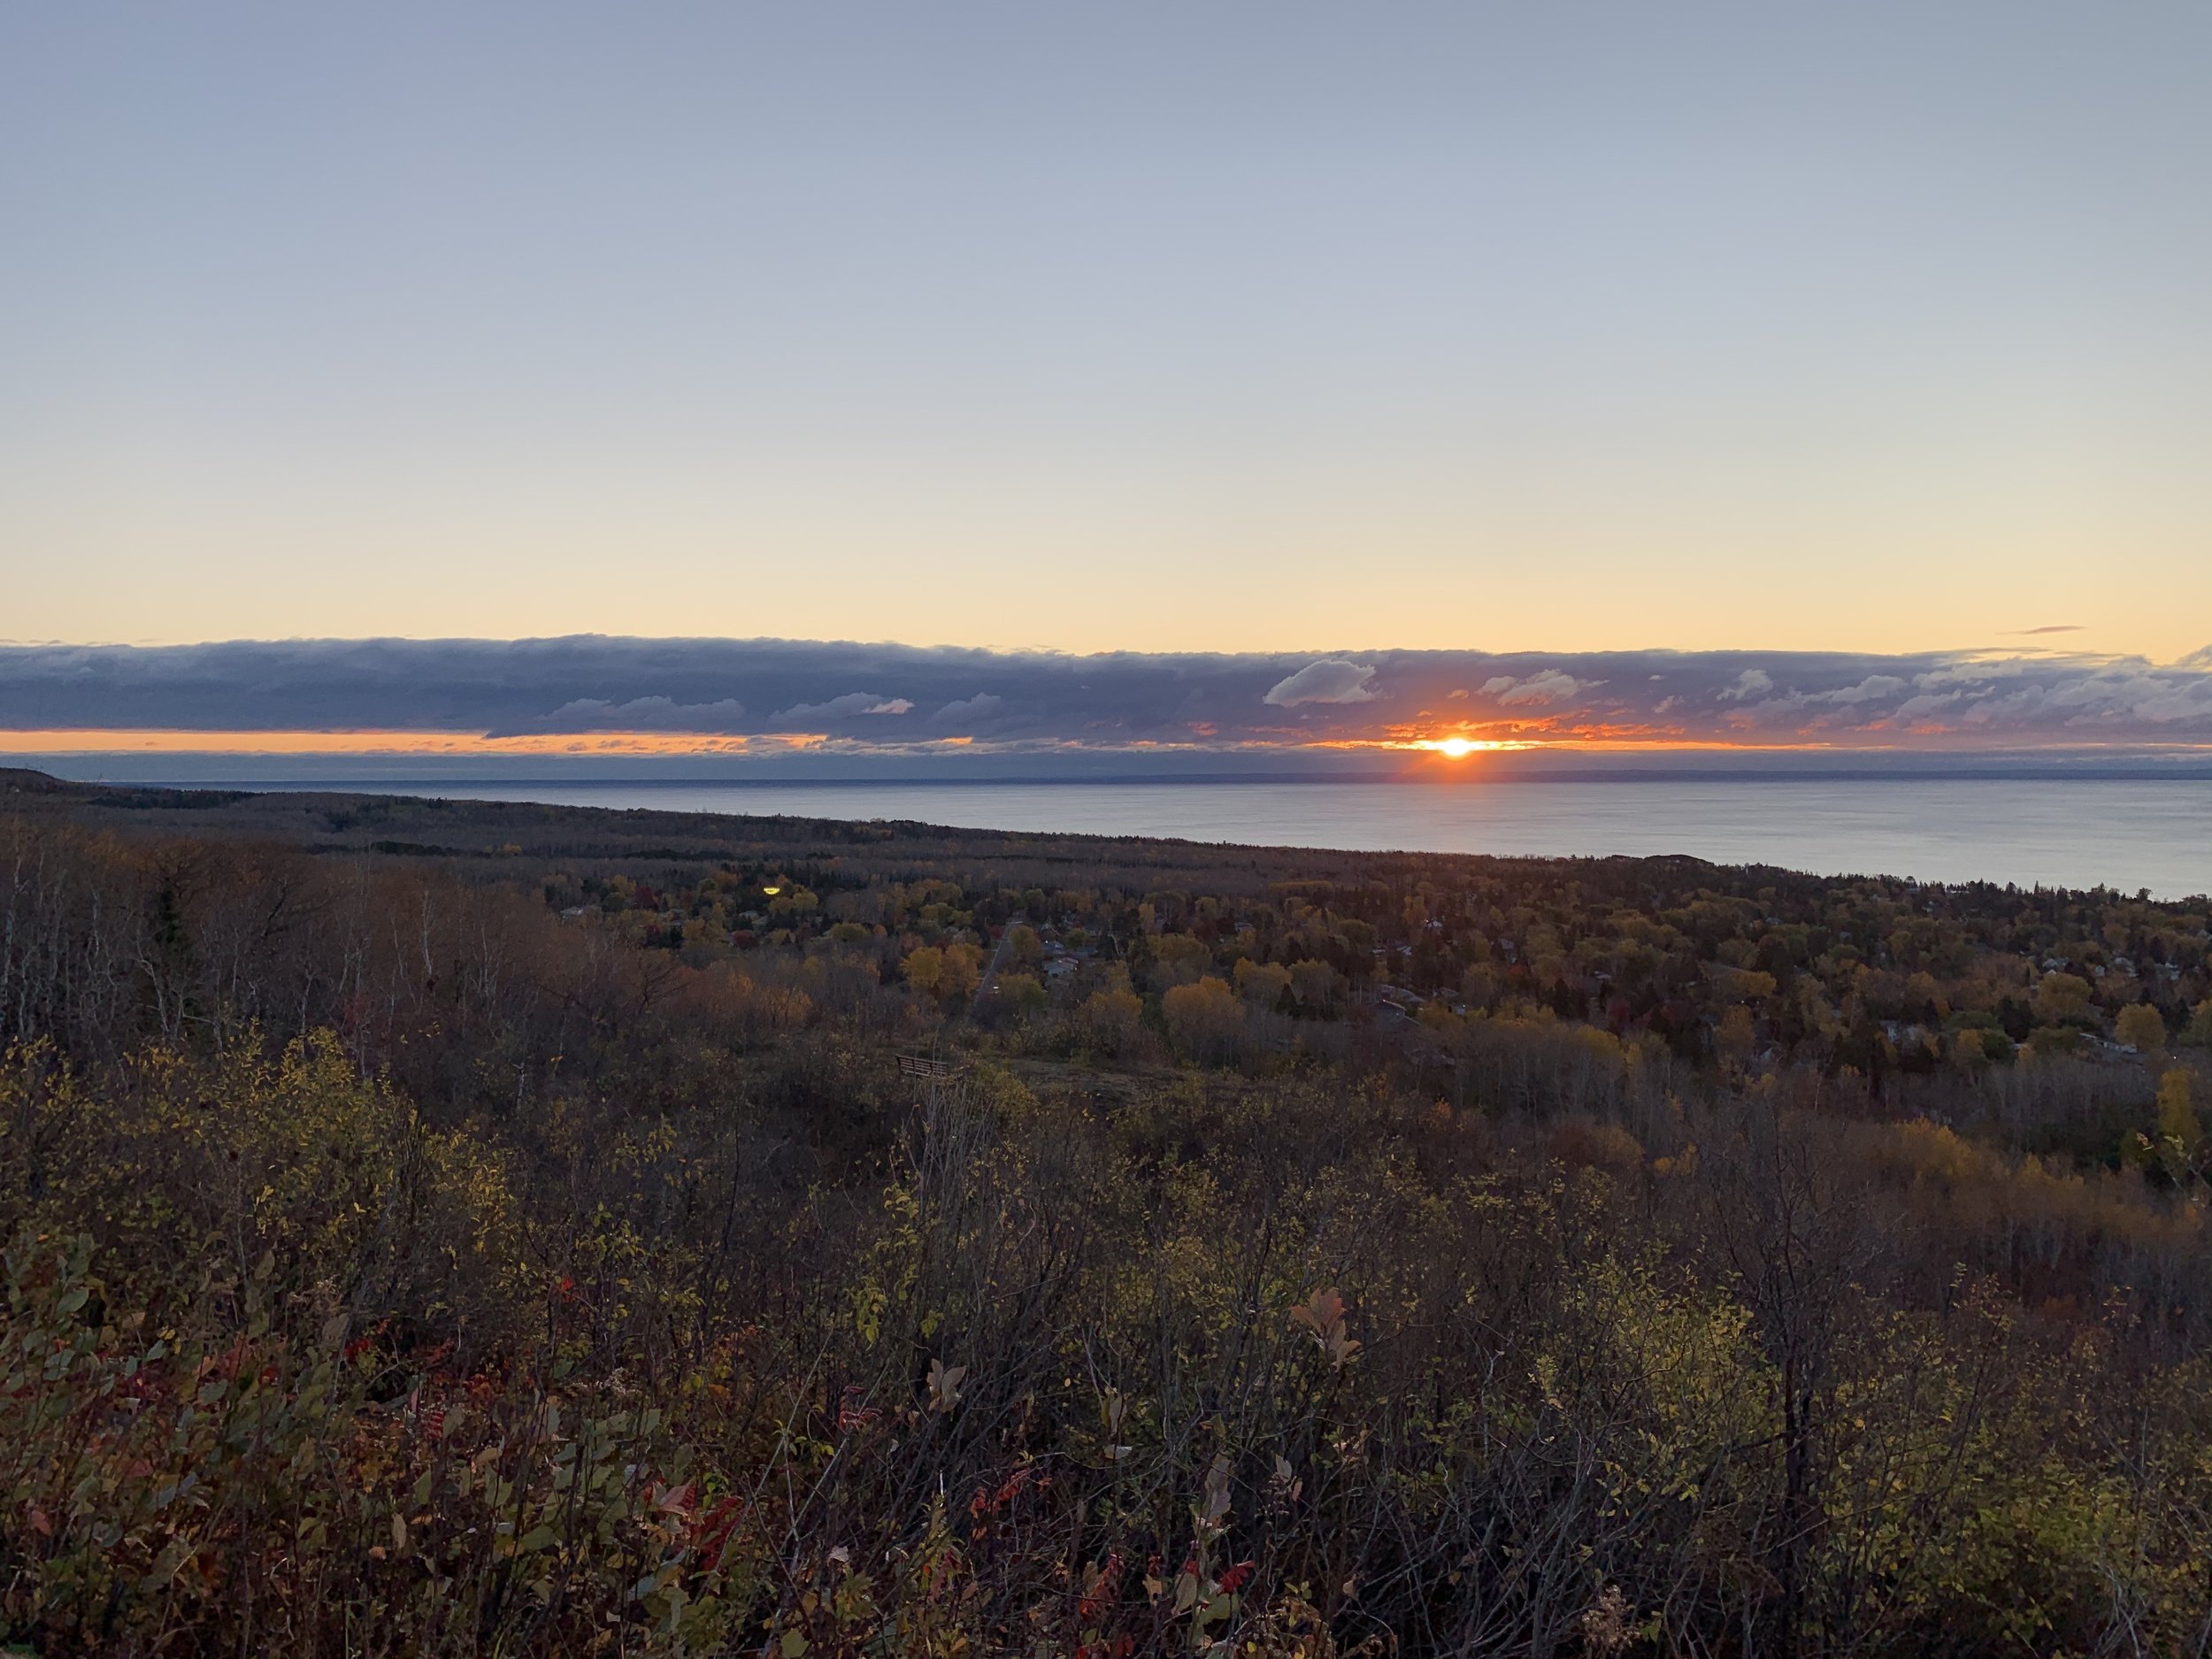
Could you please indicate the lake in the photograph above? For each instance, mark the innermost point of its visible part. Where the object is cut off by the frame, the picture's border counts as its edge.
(2055, 833)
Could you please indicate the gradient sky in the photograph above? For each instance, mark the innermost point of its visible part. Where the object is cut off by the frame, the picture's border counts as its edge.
(1286, 328)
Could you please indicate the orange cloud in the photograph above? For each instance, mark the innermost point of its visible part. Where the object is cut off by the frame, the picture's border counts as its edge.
(164, 741)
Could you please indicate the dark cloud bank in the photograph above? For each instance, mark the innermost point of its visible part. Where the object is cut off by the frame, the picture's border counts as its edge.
(887, 710)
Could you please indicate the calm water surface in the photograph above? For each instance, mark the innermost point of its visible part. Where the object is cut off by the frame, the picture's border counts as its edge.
(2056, 832)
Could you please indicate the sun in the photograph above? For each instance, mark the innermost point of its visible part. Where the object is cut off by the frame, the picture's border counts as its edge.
(1454, 748)
(1459, 747)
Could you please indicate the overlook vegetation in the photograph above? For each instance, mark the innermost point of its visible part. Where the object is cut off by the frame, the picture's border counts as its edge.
(443, 1228)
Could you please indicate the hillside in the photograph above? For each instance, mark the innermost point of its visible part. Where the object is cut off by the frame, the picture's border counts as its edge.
(461, 1227)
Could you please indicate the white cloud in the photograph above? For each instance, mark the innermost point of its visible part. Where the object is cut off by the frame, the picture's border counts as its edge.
(1928, 703)
(1868, 690)
(1551, 685)
(1751, 683)
(1331, 679)
(976, 708)
(844, 708)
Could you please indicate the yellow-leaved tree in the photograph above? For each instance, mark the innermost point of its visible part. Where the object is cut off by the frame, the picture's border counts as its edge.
(1205, 1019)
(2141, 1027)
(2180, 1134)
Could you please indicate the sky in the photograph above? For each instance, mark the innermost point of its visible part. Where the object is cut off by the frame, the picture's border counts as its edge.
(1298, 330)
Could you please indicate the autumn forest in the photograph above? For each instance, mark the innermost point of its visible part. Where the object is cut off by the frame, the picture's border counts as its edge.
(440, 1228)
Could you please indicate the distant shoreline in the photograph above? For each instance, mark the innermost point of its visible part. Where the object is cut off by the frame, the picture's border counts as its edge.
(2132, 835)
